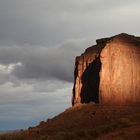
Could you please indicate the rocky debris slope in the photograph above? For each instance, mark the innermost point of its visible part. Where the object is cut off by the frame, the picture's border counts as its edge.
(108, 73)
(84, 122)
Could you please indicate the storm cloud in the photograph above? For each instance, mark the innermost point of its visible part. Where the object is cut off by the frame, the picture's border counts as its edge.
(42, 62)
(39, 40)
(49, 22)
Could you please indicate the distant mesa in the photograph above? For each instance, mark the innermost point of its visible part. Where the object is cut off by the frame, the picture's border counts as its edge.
(108, 73)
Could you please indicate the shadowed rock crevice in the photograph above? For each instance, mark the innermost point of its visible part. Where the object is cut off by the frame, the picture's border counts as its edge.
(90, 82)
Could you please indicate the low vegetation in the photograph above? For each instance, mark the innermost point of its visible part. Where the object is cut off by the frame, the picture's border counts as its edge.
(83, 134)
(120, 129)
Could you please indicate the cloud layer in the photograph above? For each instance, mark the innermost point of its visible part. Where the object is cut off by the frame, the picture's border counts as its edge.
(42, 62)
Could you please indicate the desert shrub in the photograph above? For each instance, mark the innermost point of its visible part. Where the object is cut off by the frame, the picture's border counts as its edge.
(93, 133)
(81, 133)
(124, 122)
(45, 137)
(104, 129)
(30, 128)
(136, 117)
(42, 122)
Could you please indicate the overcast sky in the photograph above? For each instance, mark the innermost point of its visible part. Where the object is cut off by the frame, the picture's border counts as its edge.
(39, 40)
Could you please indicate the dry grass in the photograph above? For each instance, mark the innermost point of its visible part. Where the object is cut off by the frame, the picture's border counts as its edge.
(126, 127)
(82, 134)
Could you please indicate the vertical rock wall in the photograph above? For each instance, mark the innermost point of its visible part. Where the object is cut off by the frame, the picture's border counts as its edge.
(109, 72)
(120, 73)
(86, 74)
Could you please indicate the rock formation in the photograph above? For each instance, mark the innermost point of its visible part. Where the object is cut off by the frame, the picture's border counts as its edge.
(108, 73)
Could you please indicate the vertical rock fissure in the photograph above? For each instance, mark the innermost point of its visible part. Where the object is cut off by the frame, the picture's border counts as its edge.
(90, 82)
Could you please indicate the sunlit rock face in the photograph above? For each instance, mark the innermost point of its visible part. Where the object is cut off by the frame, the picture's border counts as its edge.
(109, 73)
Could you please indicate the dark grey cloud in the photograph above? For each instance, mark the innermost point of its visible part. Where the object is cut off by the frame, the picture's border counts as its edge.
(42, 62)
(50, 22)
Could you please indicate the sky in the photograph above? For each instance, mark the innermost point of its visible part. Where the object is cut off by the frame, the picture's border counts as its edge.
(39, 40)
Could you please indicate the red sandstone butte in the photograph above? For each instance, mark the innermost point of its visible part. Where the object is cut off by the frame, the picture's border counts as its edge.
(108, 73)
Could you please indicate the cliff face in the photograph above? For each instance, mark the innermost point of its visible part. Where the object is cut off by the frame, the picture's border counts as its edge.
(109, 73)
